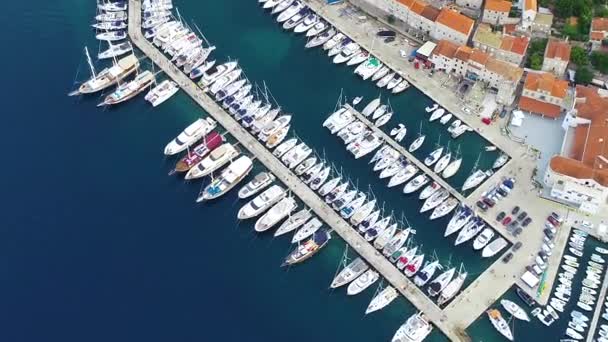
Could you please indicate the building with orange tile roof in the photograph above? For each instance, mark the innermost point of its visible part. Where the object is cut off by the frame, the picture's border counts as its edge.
(544, 94)
(476, 65)
(503, 46)
(557, 57)
(579, 175)
(496, 12)
(598, 32)
(453, 26)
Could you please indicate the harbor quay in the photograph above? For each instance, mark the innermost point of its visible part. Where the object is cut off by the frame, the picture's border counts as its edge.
(376, 260)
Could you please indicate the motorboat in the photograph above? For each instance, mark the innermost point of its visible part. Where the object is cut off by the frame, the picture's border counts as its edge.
(397, 129)
(460, 130)
(445, 119)
(500, 324)
(296, 19)
(383, 119)
(111, 36)
(368, 68)
(403, 85)
(274, 127)
(394, 167)
(112, 6)
(214, 73)
(333, 41)
(363, 212)
(500, 161)
(111, 16)
(283, 6)
(437, 114)
(312, 172)
(230, 176)
(271, 4)
(429, 190)
(321, 38)
(349, 273)
(200, 151)
(427, 272)
(129, 90)
(362, 282)
(309, 248)
(190, 135)
(383, 82)
(108, 76)
(435, 200)
(415, 329)
(367, 144)
(454, 125)
(396, 80)
(347, 53)
(381, 73)
(215, 160)
(452, 168)
(296, 155)
(278, 212)
(388, 157)
(382, 299)
(371, 107)
(161, 92)
(403, 175)
(474, 180)
(337, 49)
(444, 208)
(293, 222)
(438, 284)
(230, 90)
(259, 182)
(452, 288)
(461, 218)
(308, 229)
(416, 143)
(483, 238)
(239, 95)
(433, 156)
(305, 166)
(308, 23)
(278, 137)
(470, 231)
(432, 108)
(338, 120)
(284, 147)
(110, 25)
(358, 58)
(416, 184)
(401, 135)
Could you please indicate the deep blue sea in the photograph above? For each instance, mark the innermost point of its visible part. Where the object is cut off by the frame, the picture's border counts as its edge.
(98, 243)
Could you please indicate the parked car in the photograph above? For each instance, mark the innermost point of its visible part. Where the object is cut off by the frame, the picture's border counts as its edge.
(526, 222)
(507, 257)
(507, 220)
(553, 221)
(502, 192)
(514, 224)
(551, 229)
(517, 246)
(515, 210)
(550, 244)
(501, 216)
(557, 217)
(537, 270)
(522, 215)
(517, 231)
(546, 249)
(549, 234)
(489, 202)
(481, 205)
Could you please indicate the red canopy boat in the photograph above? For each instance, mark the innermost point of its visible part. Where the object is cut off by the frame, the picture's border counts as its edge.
(195, 155)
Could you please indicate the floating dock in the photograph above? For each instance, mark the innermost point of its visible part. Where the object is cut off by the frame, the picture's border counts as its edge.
(299, 189)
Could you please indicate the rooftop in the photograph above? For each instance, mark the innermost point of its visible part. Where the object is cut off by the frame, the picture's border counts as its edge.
(538, 107)
(430, 12)
(455, 21)
(530, 5)
(498, 5)
(596, 35)
(544, 19)
(418, 6)
(497, 40)
(599, 24)
(446, 48)
(507, 70)
(463, 53)
(558, 49)
(547, 83)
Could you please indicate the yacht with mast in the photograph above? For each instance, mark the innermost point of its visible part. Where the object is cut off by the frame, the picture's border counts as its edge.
(129, 89)
(108, 76)
(293, 222)
(416, 184)
(230, 176)
(444, 208)
(278, 212)
(453, 287)
(261, 202)
(349, 273)
(427, 273)
(415, 329)
(470, 231)
(115, 50)
(362, 282)
(474, 180)
(435, 200)
(500, 324)
(210, 142)
(437, 285)
(382, 299)
(190, 135)
(461, 217)
(215, 160)
(309, 248)
(308, 229)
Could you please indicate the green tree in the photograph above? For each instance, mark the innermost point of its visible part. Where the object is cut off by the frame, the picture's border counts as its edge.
(536, 62)
(600, 61)
(601, 11)
(578, 56)
(390, 19)
(564, 8)
(583, 76)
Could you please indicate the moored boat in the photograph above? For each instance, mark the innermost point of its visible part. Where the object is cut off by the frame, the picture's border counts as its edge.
(259, 182)
(231, 176)
(210, 142)
(129, 90)
(261, 202)
(278, 212)
(190, 135)
(309, 248)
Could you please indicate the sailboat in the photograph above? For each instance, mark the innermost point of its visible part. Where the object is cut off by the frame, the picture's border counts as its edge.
(453, 287)
(349, 273)
(453, 166)
(108, 76)
(418, 142)
(475, 178)
(382, 299)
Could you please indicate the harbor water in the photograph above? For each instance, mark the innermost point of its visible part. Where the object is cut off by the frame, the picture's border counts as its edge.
(98, 243)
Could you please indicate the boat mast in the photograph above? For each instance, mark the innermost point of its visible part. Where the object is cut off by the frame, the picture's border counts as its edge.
(86, 52)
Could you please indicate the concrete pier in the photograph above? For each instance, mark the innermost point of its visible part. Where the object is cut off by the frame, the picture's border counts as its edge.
(299, 189)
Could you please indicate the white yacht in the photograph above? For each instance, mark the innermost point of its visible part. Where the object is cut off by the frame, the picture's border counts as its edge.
(111, 35)
(363, 212)
(336, 192)
(494, 247)
(284, 147)
(338, 120)
(307, 230)
(439, 283)
(442, 163)
(349, 273)
(384, 80)
(369, 221)
(371, 107)
(367, 144)
(190, 135)
(446, 118)
(515, 310)
(278, 212)
(382, 299)
(282, 6)
(353, 132)
(500, 324)
(460, 130)
(224, 81)
(277, 137)
(435, 200)
(296, 155)
(500, 161)
(403, 175)
(362, 282)
(216, 72)
(415, 329)
(270, 4)
(262, 202)
(290, 12)
(309, 21)
(344, 199)
(437, 114)
(452, 288)
(426, 273)
(259, 182)
(396, 80)
(381, 73)
(335, 40)
(429, 190)
(367, 69)
(274, 127)
(389, 156)
(383, 109)
(469, 231)
(216, 159)
(483, 238)
(462, 216)
(444, 208)
(321, 38)
(329, 186)
(318, 180)
(385, 237)
(403, 85)
(433, 157)
(452, 168)
(230, 176)
(474, 180)
(416, 183)
(383, 119)
(296, 19)
(293, 222)
(108, 76)
(305, 166)
(348, 210)
(358, 58)
(161, 92)
(319, 27)
(347, 53)
(416, 143)
(394, 167)
(396, 242)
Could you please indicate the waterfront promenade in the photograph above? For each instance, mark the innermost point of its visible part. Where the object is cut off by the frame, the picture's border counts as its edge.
(299, 189)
